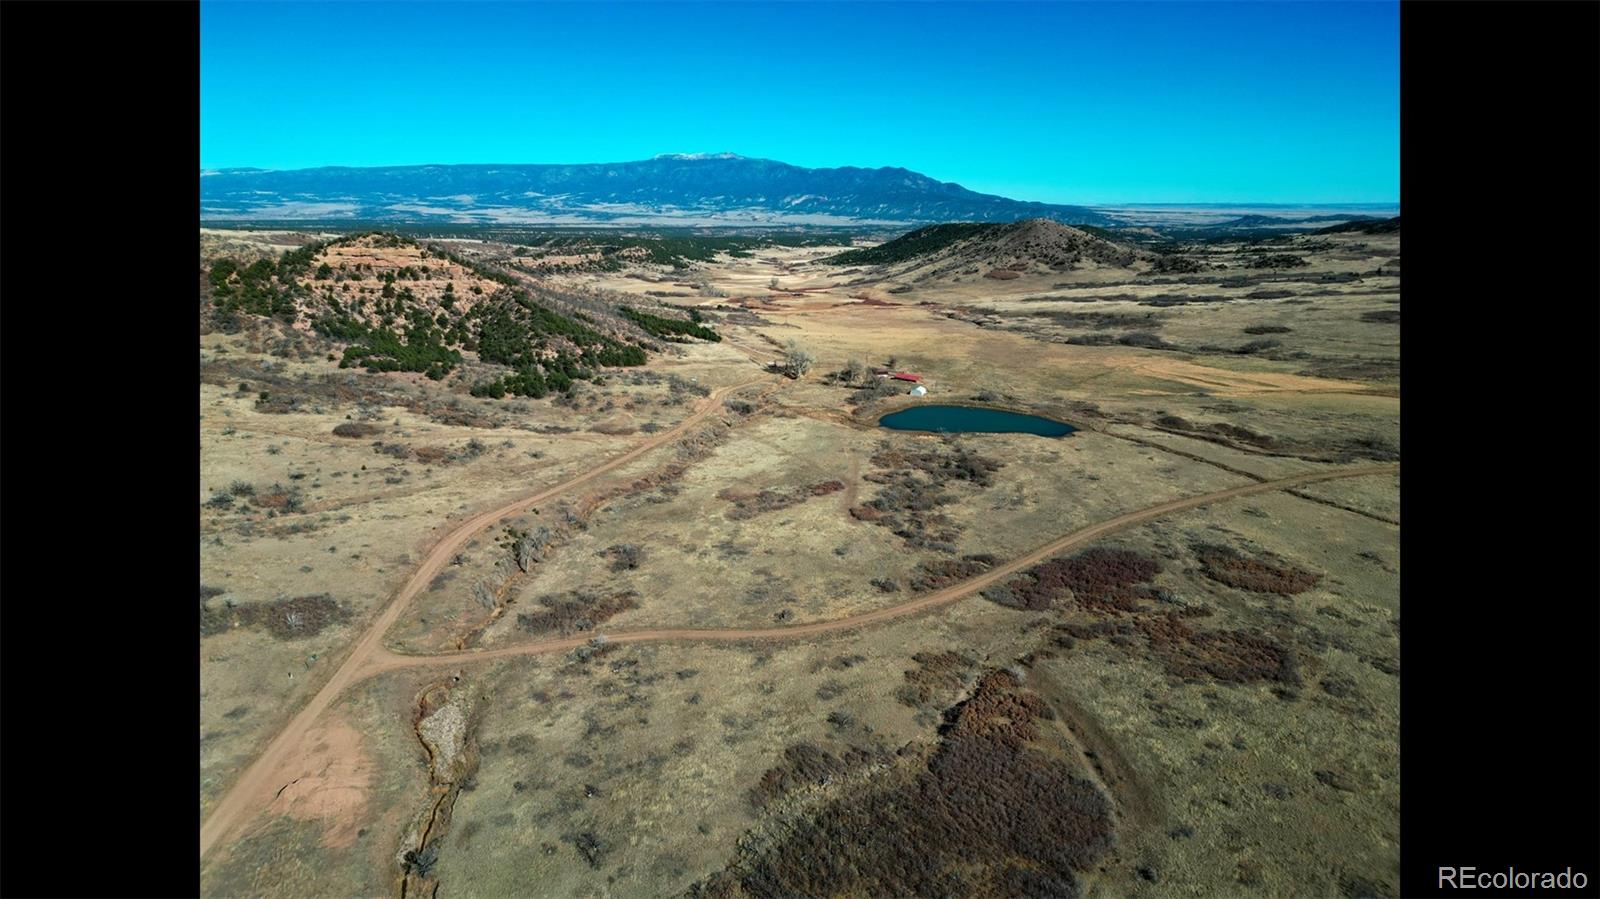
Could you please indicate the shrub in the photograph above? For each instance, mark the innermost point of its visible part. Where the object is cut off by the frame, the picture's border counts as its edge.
(807, 765)
(1226, 565)
(1280, 260)
(356, 429)
(623, 556)
(1171, 264)
(939, 573)
(908, 503)
(985, 813)
(590, 847)
(937, 674)
(658, 326)
(797, 360)
(1256, 346)
(1226, 656)
(1143, 339)
(575, 611)
(285, 619)
(1097, 578)
(876, 389)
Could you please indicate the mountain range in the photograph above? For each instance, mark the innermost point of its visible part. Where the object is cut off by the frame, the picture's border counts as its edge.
(683, 189)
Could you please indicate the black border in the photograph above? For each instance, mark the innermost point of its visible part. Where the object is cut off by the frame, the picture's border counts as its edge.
(1499, 749)
(97, 231)
(1500, 746)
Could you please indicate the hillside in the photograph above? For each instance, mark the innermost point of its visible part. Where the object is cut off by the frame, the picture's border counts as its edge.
(1382, 226)
(999, 251)
(388, 303)
(920, 242)
(720, 189)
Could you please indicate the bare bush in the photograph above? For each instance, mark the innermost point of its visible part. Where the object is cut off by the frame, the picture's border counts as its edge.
(575, 611)
(797, 360)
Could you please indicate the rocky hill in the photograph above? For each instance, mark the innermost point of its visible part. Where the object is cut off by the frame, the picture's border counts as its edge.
(998, 251)
(388, 303)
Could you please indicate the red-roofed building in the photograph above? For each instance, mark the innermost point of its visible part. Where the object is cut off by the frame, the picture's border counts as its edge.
(906, 376)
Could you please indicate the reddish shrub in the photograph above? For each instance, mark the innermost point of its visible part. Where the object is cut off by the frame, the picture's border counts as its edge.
(356, 429)
(986, 815)
(939, 573)
(432, 455)
(1097, 578)
(805, 765)
(865, 513)
(1227, 566)
(998, 712)
(1227, 656)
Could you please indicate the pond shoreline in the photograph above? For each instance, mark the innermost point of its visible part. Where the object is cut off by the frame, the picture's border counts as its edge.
(949, 418)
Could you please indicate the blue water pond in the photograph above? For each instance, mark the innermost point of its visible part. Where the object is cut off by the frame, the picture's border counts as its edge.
(972, 420)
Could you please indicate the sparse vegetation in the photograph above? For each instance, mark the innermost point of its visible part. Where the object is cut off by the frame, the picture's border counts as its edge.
(1279, 260)
(937, 773)
(749, 505)
(285, 619)
(576, 611)
(913, 490)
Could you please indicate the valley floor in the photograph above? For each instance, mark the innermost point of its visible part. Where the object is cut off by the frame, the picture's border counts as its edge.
(697, 624)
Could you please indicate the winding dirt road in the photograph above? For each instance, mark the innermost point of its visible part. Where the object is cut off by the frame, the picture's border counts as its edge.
(242, 798)
(384, 661)
(370, 658)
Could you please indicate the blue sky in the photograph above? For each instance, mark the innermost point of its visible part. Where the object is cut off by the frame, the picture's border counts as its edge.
(1294, 102)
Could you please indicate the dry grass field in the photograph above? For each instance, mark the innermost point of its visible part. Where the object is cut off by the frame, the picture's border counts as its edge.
(1194, 703)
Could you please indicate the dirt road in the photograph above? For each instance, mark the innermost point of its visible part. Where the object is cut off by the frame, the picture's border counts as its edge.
(383, 660)
(248, 794)
(242, 799)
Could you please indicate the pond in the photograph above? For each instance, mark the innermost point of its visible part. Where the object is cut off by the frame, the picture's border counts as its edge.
(972, 420)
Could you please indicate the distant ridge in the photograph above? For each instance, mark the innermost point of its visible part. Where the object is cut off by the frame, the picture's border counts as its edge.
(993, 250)
(1365, 226)
(677, 188)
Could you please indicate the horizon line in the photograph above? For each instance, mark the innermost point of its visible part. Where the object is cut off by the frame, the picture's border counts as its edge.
(1107, 204)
